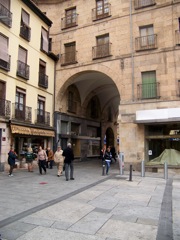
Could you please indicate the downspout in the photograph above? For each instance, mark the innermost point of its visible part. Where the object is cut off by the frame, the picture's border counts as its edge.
(132, 50)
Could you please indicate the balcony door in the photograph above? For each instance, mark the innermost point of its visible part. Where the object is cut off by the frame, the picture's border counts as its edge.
(102, 45)
(102, 8)
(70, 52)
(147, 37)
(2, 98)
(41, 110)
(149, 86)
(71, 17)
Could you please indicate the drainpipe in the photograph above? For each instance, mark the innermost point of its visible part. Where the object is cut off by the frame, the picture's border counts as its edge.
(132, 49)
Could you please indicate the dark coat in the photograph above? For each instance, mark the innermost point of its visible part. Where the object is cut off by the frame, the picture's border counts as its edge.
(68, 154)
(12, 157)
(108, 155)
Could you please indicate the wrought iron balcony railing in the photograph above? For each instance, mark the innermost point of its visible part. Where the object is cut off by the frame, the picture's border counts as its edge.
(69, 21)
(5, 65)
(143, 3)
(146, 42)
(22, 112)
(25, 32)
(5, 16)
(148, 90)
(71, 106)
(177, 34)
(43, 80)
(101, 51)
(42, 117)
(69, 58)
(5, 108)
(101, 12)
(22, 70)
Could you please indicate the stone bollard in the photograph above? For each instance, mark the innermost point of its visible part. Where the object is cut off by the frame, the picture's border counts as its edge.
(103, 168)
(165, 171)
(143, 169)
(130, 173)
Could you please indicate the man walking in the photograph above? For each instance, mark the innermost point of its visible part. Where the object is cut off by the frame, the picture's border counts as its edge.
(69, 158)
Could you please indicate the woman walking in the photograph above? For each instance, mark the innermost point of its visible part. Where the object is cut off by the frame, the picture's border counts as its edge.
(11, 161)
(108, 158)
(42, 157)
(59, 160)
(29, 155)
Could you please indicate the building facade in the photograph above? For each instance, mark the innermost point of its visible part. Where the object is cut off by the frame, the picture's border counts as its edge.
(118, 68)
(27, 75)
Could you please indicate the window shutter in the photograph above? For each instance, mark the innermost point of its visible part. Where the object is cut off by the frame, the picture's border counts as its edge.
(4, 48)
(45, 43)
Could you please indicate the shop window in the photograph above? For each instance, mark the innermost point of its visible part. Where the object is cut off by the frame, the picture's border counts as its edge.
(22, 67)
(92, 131)
(75, 128)
(25, 30)
(64, 127)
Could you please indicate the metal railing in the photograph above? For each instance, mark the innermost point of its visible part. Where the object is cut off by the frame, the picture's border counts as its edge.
(143, 3)
(5, 16)
(5, 108)
(103, 12)
(5, 65)
(22, 70)
(69, 58)
(177, 34)
(146, 42)
(25, 32)
(43, 80)
(69, 21)
(101, 51)
(22, 112)
(42, 117)
(148, 90)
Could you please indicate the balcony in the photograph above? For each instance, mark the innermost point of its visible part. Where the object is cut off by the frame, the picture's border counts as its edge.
(69, 21)
(148, 90)
(101, 51)
(177, 34)
(146, 43)
(22, 112)
(42, 117)
(71, 106)
(23, 70)
(25, 32)
(69, 58)
(5, 108)
(43, 80)
(5, 16)
(5, 65)
(143, 3)
(101, 12)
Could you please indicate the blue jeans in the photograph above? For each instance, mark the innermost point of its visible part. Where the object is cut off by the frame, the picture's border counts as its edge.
(67, 166)
(108, 163)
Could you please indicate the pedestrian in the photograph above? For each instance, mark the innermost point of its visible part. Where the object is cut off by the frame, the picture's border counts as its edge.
(12, 155)
(59, 160)
(108, 158)
(102, 153)
(29, 156)
(42, 158)
(69, 158)
(50, 155)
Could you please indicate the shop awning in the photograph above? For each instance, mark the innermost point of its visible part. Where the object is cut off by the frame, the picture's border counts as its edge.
(31, 131)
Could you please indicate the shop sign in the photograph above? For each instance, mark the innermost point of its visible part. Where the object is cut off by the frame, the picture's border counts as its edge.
(31, 131)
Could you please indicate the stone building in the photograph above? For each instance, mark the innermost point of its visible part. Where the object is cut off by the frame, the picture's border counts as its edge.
(118, 67)
(26, 78)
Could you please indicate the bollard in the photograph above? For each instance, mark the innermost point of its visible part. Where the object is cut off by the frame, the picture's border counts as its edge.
(142, 169)
(165, 171)
(103, 168)
(121, 163)
(130, 173)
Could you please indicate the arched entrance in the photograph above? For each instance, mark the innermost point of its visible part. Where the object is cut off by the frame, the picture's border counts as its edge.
(87, 109)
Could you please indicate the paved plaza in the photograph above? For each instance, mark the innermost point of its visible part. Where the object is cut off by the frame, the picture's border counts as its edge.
(92, 207)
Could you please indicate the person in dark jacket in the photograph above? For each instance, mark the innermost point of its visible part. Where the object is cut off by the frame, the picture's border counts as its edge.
(108, 158)
(68, 161)
(11, 161)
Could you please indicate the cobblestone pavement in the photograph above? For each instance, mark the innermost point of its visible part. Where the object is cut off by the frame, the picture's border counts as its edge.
(92, 207)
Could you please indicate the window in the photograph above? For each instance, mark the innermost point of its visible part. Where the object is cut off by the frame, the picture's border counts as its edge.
(22, 68)
(4, 56)
(25, 30)
(147, 36)
(40, 109)
(5, 14)
(44, 40)
(149, 86)
(20, 104)
(69, 57)
(102, 8)
(71, 18)
(71, 102)
(102, 48)
(43, 78)
(143, 3)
